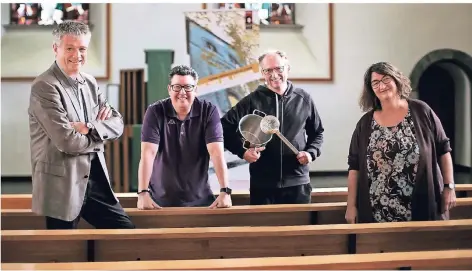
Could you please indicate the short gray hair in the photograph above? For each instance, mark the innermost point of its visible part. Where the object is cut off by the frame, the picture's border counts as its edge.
(70, 28)
(271, 52)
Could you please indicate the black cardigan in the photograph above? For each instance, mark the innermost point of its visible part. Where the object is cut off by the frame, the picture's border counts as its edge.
(433, 143)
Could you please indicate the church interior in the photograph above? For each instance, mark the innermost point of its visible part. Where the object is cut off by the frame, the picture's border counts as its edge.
(329, 47)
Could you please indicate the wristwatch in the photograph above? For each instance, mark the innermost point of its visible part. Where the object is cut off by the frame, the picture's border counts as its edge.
(227, 190)
(144, 191)
(450, 185)
(313, 156)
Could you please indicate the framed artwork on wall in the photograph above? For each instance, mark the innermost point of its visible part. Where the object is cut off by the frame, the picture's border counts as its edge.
(303, 30)
(48, 13)
(33, 24)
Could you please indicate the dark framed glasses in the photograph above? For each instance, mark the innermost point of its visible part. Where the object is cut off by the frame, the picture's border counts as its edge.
(385, 80)
(186, 88)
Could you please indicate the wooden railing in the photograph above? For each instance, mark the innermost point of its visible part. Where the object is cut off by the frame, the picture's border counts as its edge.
(129, 200)
(255, 215)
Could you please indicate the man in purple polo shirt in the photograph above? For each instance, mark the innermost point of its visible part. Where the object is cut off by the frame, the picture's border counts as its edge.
(179, 136)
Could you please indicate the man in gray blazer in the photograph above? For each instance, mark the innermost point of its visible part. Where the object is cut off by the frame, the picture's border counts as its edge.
(69, 120)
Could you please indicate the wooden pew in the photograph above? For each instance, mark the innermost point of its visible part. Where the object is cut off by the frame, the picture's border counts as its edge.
(247, 215)
(37, 246)
(255, 215)
(446, 259)
(129, 200)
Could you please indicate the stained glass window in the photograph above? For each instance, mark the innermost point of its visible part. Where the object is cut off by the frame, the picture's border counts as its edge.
(268, 13)
(48, 13)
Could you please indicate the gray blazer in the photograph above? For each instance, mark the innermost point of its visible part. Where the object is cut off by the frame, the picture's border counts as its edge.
(60, 156)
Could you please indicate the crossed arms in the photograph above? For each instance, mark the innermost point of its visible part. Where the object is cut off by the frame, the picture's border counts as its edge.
(47, 108)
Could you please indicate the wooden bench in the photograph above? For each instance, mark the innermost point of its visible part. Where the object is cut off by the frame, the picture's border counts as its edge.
(129, 200)
(446, 259)
(248, 215)
(35, 246)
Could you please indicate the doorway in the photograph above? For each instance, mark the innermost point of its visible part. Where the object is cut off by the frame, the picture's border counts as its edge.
(436, 87)
(443, 79)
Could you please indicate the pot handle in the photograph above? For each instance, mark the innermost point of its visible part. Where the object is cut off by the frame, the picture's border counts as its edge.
(258, 112)
(246, 144)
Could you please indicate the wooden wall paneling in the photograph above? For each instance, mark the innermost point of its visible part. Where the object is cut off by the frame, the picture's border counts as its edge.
(116, 165)
(122, 95)
(128, 98)
(135, 101)
(143, 99)
(126, 159)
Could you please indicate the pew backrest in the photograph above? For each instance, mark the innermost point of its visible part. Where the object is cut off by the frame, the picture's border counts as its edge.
(232, 242)
(447, 259)
(129, 200)
(246, 215)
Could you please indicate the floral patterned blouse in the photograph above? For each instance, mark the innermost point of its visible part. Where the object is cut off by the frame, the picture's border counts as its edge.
(392, 163)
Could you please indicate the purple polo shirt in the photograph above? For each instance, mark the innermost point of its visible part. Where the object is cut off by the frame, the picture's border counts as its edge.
(180, 171)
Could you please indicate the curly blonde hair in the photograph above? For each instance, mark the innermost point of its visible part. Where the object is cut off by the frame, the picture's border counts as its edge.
(368, 100)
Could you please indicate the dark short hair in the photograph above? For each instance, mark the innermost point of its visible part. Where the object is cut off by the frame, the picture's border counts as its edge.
(183, 70)
(368, 100)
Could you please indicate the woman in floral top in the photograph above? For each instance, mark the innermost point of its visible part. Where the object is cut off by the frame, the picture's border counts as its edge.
(395, 151)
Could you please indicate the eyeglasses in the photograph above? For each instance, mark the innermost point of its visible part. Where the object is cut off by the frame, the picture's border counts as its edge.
(186, 88)
(279, 69)
(385, 80)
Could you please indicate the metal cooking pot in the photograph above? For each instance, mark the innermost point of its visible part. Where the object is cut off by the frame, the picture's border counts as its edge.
(250, 129)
